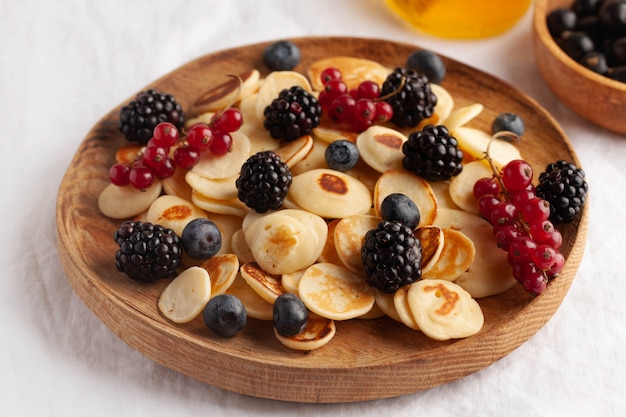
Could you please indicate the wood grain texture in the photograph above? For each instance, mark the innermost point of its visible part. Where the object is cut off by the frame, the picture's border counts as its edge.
(593, 96)
(367, 359)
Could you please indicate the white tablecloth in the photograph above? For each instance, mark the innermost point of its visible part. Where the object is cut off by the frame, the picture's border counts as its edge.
(64, 64)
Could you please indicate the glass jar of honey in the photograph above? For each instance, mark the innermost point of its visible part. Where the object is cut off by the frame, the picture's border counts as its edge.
(461, 19)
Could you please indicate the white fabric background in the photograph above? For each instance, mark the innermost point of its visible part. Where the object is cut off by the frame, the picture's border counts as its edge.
(64, 64)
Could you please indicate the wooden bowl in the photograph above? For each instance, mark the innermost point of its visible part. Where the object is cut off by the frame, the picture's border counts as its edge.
(595, 97)
(367, 359)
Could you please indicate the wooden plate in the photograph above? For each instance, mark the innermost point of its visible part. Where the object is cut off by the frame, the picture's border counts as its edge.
(367, 359)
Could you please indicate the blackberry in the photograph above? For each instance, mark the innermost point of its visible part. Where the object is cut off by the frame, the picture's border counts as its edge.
(147, 251)
(263, 182)
(294, 113)
(391, 256)
(414, 102)
(432, 153)
(563, 185)
(139, 117)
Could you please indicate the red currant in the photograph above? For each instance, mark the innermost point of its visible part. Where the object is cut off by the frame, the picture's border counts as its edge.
(154, 156)
(119, 174)
(186, 156)
(557, 266)
(535, 210)
(342, 108)
(330, 73)
(166, 169)
(229, 120)
(504, 213)
(369, 90)
(335, 87)
(165, 135)
(141, 177)
(517, 175)
(505, 235)
(221, 143)
(486, 204)
(544, 256)
(200, 136)
(485, 186)
(384, 112)
(521, 249)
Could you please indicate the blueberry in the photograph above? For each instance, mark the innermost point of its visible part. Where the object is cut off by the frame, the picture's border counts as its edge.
(400, 208)
(508, 122)
(225, 314)
(290, 314)
(201, 239)
(281, 56)
(341, 155)
(429, 64)
(560, 20)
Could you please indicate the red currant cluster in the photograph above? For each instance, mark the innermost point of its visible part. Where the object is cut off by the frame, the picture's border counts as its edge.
(360, 107)
(520, 224)
(157, 161)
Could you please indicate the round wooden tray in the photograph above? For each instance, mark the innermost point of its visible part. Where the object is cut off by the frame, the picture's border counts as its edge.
(367, 359)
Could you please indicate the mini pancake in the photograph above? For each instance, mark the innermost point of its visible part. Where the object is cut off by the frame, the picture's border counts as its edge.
(223, 270)
(317, 225)
(260, 139)
(490, 273)
(274, 83)
(281, 243)
(228, 225)
(127, 153)
(174, 212)
(177, 185)
(334, 292)
(329, 252)
(445, 103)
(462, 115)
(316, 333)
(267, 285)
(457, 256)
(291, 281)
(295, 151)
(381, 148)
(401, 303)
(475, 142)
(375, 313)
(385, 302)
(444, 310)
(224, 166)
(330, 194)
(353, 71)
(219, 189)
(125, 202)
(240, 247)
(228, 92)
(201, 118)
(348, 239)
(185, 296)
(330, 134)
(232, 206)
(432, 240)
(256, 307)
(461, 188)
(316, 158)
(442, 194)
(411, 185)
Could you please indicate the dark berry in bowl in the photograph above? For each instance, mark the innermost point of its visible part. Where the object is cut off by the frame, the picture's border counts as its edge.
(341, 155)
(281, 56)
(225, 315)
(560, 20)
(201, 239)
